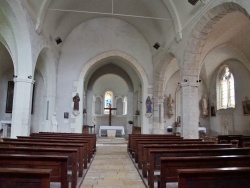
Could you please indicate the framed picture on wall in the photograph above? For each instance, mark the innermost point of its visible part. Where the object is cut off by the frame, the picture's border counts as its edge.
(246, 107)
(9, 99)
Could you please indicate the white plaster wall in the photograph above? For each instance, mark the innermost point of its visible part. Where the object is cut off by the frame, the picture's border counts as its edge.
(88, 40)
(39, 108)
(238, 123)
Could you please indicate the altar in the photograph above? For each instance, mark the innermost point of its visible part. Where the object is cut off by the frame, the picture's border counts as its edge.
(106, 128)
(5, 126)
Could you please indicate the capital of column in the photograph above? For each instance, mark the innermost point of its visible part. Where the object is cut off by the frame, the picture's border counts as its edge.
(25, 80)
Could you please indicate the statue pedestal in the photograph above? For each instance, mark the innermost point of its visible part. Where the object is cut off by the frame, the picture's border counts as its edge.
(111, 133)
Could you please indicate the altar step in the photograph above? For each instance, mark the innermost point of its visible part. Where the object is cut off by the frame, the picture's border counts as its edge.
(105, 140)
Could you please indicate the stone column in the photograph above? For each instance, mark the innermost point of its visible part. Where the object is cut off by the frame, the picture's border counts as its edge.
(190, 109)
(22, 101)
(158, 115)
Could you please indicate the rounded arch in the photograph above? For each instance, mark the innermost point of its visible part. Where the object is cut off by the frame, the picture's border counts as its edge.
(110, 69)
(137, 67)
(129, 59)
(45, 64)
(162, 71)
(50, 69)
(193, 56)
(21, 45)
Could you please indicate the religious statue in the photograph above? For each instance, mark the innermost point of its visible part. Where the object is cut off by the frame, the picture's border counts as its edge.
(76, 100)
(148, 105)
(54, 122)
(204, 106)
(170, 103)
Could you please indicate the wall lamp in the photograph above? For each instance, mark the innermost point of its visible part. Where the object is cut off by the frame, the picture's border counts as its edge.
(30, 77)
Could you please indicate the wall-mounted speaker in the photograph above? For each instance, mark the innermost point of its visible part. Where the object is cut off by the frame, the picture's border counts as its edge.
(193, 2)
(58, 40)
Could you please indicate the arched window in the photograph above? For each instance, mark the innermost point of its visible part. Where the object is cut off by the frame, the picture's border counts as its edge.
(226, 89)
(108, 101)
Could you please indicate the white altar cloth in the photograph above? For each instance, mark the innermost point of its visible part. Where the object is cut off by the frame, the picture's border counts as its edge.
(4, 122)
(202, 129)
(106, 127)
(5, 125)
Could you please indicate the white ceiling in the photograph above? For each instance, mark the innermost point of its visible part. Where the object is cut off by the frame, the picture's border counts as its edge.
(157, 20)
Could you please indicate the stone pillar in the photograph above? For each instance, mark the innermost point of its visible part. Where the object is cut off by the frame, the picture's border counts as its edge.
(21, 113)
(158, 115)
(190, 110)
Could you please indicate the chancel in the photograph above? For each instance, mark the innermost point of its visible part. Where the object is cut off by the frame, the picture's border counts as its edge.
(111, 130)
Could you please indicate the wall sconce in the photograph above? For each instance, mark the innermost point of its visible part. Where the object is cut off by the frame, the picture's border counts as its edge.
(14, 76)
(30, 77)
(185, 80)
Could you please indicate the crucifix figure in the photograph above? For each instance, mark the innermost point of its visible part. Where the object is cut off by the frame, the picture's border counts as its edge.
(110, 109)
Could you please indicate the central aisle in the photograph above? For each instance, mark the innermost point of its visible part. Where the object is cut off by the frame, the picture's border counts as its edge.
(112, 168)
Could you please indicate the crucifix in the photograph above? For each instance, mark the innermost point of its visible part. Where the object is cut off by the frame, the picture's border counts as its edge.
(110, 109)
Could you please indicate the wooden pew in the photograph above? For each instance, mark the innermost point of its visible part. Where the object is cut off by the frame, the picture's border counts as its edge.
(57, 165)
(133, 136)
(155, 155)
(24, 177)
(90, 140)
(139, 145)
(170, 165)
(144, 156)
(135, 144)
(214, 177)
(230, 138)
(143, 146)
(70, 153)
(82, 150)
(92, 137)
(31, 139)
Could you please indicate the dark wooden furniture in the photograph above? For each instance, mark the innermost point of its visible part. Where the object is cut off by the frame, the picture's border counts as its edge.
(144, 157)
(24, 177)
(170, 165)
(155, 155)
(70, 153)
(82, 150)
(133, 136)
(214, 177)
(56, 164)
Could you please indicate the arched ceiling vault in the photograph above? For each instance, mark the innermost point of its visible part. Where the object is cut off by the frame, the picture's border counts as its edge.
(159, 21)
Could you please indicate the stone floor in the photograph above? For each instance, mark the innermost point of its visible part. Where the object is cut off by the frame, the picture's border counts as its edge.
(112, 167)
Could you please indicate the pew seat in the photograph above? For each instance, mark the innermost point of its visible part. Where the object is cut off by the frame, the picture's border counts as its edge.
(214, 177)
(24, 177)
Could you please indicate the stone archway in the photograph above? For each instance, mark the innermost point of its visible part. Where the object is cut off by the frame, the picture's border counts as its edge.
(159, 88)
(197, 49)
(193, 54)
(138, 69)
